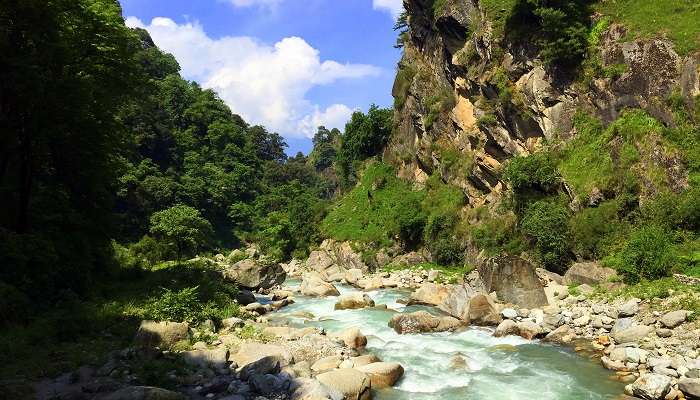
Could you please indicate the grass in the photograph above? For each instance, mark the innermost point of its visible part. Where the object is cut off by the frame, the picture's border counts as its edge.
(378, 210)
(498, 12)
(675, 19)
(82, 332)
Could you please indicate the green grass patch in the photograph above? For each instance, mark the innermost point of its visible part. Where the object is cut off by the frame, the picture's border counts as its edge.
(498, 12)
(675, 19)
(379, 210)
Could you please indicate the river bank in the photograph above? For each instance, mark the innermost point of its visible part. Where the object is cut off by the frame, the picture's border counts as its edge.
(336, 332)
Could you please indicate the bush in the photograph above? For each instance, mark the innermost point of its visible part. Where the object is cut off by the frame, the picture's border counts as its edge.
(647, 255)
(593, 230)
(532, 176)
(180, 306)
(546, 223)
(439, 239)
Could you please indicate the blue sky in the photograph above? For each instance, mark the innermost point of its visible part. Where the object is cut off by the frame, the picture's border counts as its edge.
(287, 64)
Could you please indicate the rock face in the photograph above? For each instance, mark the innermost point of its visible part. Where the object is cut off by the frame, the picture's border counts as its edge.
(353, 301)
(312, 284)
(514, 280)
(350, 383)
(588, 272)
(421, 322)
(160, 334)
(255, 274)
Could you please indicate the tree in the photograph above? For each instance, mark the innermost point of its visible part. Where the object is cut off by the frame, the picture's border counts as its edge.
(182, 226)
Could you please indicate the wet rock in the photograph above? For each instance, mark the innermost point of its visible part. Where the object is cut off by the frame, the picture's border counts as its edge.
(650, 387)
(354, 301)
(245, 297)
(421, 322)
(256, 308)
(160, 334)
(382, 374)
(529, 330)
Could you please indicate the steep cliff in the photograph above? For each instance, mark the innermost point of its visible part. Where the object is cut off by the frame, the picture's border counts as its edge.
(472, 92)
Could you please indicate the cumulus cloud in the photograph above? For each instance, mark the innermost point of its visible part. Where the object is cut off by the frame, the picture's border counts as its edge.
(393, 6)
(265, 84)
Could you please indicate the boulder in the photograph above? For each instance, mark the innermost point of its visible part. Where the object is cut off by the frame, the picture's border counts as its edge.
(590, 273)
(319, 260)
(506, 328)
(674, 318)
(144, 393)
(363, 360)
(350, 383)
(483, 311)
(160, 334)
(216, 358)
(354, 301)
(255, 274)
(382, 374)
(562, 335)
(352, 337)
(269, 383)
(312, 284)
(632, 334)
(245, 297)
(262, 366)
(529, 330)
(422, 321)
(253, 351)
(629, 309)
(309, 389)
(326, 364)
(514, 280)
(353, 275)
(429, 293)
(650, 387)
(690, 387)
(456, 303)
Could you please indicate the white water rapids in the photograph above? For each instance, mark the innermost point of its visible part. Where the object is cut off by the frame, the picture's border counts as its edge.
(509, 368)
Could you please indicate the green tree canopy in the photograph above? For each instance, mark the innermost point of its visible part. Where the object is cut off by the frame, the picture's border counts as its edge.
(181, 226)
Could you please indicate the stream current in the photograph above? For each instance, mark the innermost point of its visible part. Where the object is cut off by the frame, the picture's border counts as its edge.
(471, 364)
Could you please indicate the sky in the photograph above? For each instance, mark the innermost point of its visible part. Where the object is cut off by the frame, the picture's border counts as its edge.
(289, 65)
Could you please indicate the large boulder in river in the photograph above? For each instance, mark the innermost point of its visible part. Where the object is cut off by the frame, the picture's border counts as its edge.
(483, 311)
(456, 303)
(255, 274)
(312, 284)
(353, 301)
(350, 383)
(514, 280)
(382, 374)
(421, 322)
(160, 334)
(430, 293)
(352, 337)
(591, 273)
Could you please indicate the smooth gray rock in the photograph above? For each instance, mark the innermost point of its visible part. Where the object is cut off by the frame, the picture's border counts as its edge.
(674, 318)
(629, 309)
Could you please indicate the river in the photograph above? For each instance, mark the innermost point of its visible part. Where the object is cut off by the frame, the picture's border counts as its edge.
(471, 364)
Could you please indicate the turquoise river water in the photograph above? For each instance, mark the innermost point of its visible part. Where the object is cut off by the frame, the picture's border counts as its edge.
(508, 368)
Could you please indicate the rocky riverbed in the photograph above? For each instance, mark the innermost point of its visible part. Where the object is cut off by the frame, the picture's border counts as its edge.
(338, 331)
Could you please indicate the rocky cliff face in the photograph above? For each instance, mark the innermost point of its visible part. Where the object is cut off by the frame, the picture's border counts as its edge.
(467, 100)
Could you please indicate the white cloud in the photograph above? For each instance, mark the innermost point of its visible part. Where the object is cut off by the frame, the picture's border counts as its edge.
(393, 6)
(265, 84)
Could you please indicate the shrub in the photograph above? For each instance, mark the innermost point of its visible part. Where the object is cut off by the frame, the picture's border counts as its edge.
(546, 223)
(179, 306)
(439, 239)
(647, 255)
(537, 171)
(182, 226)
(498, 234)
(593, 229)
